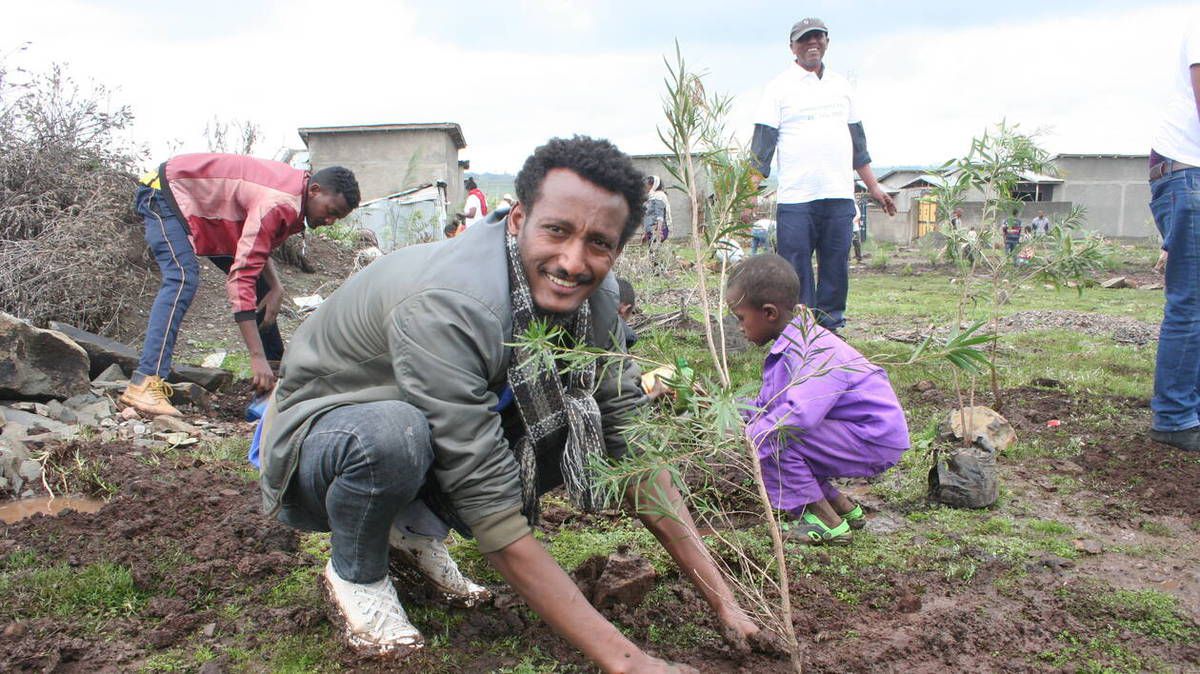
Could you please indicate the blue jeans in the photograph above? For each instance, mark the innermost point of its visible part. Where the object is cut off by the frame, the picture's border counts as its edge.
(176, 259)
(361, 469)
(1175, 203)
(759, 238)
(822, 226)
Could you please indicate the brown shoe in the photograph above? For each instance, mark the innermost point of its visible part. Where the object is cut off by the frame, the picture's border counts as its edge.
(152, 396)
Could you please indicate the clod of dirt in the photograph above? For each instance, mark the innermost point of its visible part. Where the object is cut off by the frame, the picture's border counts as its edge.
(983, 423)
(621, 578)
(1089, 546)
(908, 603)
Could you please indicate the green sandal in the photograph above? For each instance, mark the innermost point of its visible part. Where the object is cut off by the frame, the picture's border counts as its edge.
(856, 518)
(810, 530)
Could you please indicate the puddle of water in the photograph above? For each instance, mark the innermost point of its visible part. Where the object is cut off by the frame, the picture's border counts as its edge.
(14, 511)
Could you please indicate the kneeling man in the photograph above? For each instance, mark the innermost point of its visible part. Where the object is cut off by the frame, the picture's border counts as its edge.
(402, 410)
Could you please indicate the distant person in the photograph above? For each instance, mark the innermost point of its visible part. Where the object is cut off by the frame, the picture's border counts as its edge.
(1040, 224)
(1175, 203)
(760, 235)
(506, 202)
(1012, 232)
(858, 228)
(451, 229)
(808, 114)
(656, 223)
(956, 219)
(626, 299)
(824, 410)
(475, 208)
(233, 209)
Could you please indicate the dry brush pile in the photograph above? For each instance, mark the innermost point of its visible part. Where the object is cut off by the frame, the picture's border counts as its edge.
(69, 246)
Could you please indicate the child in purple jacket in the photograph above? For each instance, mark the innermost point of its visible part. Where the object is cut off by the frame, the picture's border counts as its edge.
(824, 411)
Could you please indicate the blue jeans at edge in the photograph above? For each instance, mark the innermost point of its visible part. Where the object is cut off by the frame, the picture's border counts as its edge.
(821, 226)
(1175, 203)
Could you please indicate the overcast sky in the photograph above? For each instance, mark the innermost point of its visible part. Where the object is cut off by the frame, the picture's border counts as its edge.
(513, 74)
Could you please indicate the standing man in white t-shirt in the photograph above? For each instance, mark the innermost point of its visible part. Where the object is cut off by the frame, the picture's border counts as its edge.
(807, 121)
(1175, 203)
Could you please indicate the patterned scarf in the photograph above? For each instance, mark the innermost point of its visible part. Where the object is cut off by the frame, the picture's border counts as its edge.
(547, 408)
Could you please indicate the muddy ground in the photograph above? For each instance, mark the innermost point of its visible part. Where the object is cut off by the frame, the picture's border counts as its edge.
(206, 568)
(180, 571)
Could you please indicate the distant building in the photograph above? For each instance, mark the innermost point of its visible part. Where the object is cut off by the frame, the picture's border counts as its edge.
(1112, 188)
(391, 158)
(681, 206)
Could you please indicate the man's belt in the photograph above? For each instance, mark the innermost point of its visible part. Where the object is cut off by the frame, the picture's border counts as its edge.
(1166, 167)
(151, 179)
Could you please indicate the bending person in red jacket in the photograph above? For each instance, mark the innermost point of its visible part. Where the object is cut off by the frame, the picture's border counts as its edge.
(233, 209)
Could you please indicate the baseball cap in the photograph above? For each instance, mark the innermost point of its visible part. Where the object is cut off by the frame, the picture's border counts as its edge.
(805, 25)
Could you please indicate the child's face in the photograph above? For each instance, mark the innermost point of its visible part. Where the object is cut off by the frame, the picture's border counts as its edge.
(760, 325)
(624, 310)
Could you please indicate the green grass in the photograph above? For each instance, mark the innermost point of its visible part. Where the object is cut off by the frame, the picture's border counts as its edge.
(92, 594)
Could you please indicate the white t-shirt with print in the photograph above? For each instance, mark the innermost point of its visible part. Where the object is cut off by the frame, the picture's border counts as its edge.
(815, 155)
(1178, 133)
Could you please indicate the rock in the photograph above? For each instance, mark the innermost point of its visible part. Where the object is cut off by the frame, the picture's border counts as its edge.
(60, 412)
(31, 407)
(15, 630)
(30, 470)
(29, 420)
(208, 630)
(626, 579)
(40, 364)
(1152, 286)
(169, 424)
(129, 413)
(210, 378)
(1115, 283)
(925, 385)
(105, 352)
(102, 351)
(139, 429)
(3, 420)
(212, 666)
(986, 425)
(1089, 546)
(191, 394)
(112, 373)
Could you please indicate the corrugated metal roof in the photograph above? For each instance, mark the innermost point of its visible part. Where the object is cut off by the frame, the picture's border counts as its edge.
(452, 128)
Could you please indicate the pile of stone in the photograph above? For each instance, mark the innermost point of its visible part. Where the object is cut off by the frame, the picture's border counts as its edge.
(60, 384)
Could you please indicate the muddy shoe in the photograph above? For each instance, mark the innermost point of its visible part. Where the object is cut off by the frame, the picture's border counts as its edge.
(428, 559)
(152, 396)
(856, 518)
(810, 530)
(1188, 440)
(371, 617)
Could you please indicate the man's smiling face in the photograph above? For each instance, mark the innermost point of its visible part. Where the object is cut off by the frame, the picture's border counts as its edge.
(569, 239)
(809, 49)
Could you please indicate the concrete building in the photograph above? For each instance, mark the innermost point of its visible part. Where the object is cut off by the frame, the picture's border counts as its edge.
(681, 207)
(1114, 188)
(1111, 188)
(391, 158)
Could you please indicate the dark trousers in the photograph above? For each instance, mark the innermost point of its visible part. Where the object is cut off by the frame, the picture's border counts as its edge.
(272, 341)
(821, 226)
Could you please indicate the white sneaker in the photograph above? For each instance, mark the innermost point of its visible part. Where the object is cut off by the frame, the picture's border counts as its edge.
(371, 616)
(430, 559)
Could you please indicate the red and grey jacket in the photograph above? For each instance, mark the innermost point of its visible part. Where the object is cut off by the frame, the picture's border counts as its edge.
(238, 206)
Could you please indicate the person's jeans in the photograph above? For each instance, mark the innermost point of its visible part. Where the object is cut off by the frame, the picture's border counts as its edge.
(168, 240)
(759, 238)
(824, 226)
(272, 341)
(1175, 203)
(361, 468)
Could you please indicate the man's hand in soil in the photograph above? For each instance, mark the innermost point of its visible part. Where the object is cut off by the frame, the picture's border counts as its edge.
(263, 377)
(656, 666)
(884, 200)
(260, 369)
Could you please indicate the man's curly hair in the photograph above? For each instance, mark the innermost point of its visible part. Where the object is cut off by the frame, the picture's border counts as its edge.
(339, 180)
(594, 159)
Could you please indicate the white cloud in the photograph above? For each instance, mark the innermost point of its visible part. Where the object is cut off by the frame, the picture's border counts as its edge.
(1090, 80)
